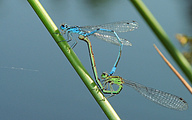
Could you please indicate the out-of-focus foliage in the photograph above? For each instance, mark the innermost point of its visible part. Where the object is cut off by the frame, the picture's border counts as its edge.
(186, 41)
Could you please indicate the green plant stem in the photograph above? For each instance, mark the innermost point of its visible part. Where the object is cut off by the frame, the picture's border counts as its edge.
(73, 59)
(163, 37)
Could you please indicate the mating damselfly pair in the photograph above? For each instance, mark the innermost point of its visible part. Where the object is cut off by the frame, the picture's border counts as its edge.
(106, 84)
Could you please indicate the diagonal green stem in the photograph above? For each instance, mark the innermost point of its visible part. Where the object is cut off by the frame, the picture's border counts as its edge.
(73, 59)
(163, 37)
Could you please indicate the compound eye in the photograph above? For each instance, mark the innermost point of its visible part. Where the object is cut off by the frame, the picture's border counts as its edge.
(63, 26)
(104, 75)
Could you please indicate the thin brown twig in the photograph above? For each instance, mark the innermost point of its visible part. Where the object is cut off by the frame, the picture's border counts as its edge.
(174, 70)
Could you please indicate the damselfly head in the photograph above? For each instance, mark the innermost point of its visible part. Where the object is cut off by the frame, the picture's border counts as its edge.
(104, 75)
(63, 27)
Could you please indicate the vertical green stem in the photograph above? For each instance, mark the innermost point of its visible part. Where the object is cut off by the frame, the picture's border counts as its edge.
(73, 59)
(161, 34)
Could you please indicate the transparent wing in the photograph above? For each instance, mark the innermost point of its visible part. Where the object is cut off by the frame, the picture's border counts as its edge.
(165, 99)
(121, 26)
(112, 39)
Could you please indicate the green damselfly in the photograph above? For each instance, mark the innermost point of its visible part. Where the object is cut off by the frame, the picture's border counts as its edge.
(107, 81)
